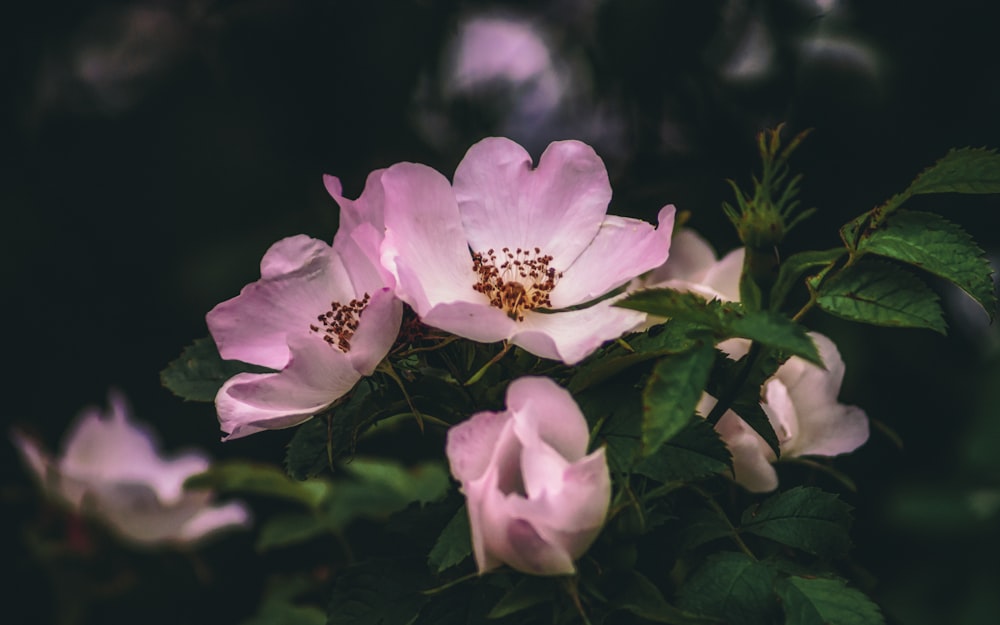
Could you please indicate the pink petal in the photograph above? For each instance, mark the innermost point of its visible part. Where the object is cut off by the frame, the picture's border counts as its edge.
(690, 257)
(300, 278)
(557, 207)
(34, 456)
(425, 246)
(573, 335)
(367, 209)
(524, 549)
(477, 321)
(378, 327)
(825, 426)
(623, 249)
(724, 276)
(546, 412)
(212, 519)
(752, 457)
(317, 374)
(470, 444)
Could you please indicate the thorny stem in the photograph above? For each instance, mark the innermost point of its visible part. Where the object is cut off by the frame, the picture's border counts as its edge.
(482, 370)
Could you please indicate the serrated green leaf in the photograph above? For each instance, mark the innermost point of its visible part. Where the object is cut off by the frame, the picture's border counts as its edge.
(792, 269)
(805, 518)
(776, 331)
(454, 544)
(695, 452)
(526, 594)
(241, 477)
(938, 246)
(965, 170)
(672, 393)
(642, 598)
(616, 409)
(377, 592)
(818, 601)
(753, 415)
(674, 304)
(199, 372)
(702, 526)
(732, 587)
(288, 529)
(672, 337)
(279, 606)
(881, 294)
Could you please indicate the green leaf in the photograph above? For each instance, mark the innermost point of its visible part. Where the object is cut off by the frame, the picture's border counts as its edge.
(702, 526)
(965, 170)
(776, 331)
(241, 477)
(881, 294)
(454, 544)
(938, 246)
(382, 487)
(616, 411)
(805, 518)
(674, 304)
(199, 372)
(642, 598)
(695, 452)
(672, 393)
(818, 601)
(377, 592)
(307, 455)
(288, 529)
(753, 415)
(732, 587)
(528, 593)
(280, 608)
(671, 337)
(793, 267)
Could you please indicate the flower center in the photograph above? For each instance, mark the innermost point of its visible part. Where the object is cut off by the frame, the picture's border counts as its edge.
(338, 324)
(517, 281)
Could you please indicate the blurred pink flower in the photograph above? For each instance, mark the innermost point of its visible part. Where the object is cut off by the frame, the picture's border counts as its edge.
(488, 257)
(800, 400)
(536, 501)
(323, 316)
(110, 469)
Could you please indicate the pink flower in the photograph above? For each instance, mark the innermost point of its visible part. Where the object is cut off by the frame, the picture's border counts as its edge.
(323, 316)
(485, 258)
(800, 400)
(536, 501)
(110, 469)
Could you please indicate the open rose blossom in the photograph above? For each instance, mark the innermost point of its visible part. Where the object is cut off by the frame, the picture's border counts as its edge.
(323, 316)
(800, 400)
(110, 469)
(536, 500)
(490, 257)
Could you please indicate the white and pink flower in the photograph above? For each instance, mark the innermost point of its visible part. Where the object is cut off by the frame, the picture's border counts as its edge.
(323, 316)
(495, 255)
(800, 400)
(111, 470)
(536, 499)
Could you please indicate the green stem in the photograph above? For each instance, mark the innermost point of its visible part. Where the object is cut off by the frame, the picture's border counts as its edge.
(386, 367)
(478, 375)
(447, 585)
(734, 533)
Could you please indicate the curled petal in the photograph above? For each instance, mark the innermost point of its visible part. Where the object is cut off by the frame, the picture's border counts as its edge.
(317, 375)
(300, 276)
(377, 329)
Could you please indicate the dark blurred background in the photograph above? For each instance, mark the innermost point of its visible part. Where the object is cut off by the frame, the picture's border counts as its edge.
(153, 150)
